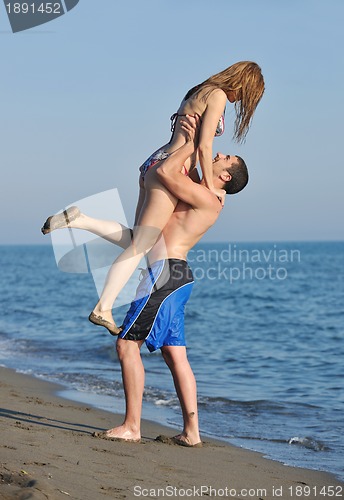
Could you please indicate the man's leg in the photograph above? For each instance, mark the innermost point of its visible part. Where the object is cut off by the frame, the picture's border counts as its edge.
(185, 384)
(133, 382)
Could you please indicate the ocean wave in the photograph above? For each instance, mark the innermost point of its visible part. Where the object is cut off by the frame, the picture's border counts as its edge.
(86, 383)
(262, 405)
(309, 443)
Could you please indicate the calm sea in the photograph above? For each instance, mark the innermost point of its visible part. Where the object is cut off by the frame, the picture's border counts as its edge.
(265, 332)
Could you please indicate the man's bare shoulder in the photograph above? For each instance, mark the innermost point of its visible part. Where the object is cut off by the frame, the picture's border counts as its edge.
(202, 202)
(208, 200)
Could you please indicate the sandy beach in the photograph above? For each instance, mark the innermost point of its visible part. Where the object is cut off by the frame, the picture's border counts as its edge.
(48, 451)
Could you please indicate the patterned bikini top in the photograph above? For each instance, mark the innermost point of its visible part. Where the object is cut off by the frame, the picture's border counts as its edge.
(219, 129)
(221, 125)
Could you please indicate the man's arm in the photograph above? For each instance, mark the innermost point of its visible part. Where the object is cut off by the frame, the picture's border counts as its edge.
(174, 180)
(183, 188)
(194, 175)
(174, 163)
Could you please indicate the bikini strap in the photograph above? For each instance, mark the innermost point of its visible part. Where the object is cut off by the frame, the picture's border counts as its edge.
(173, 121)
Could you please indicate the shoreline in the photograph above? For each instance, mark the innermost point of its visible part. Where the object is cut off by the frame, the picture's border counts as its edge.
(48, 451)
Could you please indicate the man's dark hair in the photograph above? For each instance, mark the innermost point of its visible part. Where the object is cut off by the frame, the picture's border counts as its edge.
(239, 179)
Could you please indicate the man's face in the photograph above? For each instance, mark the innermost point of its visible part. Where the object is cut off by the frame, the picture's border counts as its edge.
(224, 161)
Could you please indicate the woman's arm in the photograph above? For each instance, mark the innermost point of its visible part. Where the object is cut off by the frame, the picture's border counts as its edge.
(141, 199)
(215, 107)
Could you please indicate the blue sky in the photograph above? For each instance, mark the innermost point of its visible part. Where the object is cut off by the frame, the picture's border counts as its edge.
(87, 97)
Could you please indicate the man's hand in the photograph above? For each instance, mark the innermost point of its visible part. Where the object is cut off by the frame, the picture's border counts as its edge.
(172, 166)
(191, 125)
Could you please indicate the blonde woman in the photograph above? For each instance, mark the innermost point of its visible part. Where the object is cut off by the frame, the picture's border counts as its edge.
(242, 84)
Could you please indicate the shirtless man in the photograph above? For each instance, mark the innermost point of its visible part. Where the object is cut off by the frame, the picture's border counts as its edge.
(157, 315)
(158, 318)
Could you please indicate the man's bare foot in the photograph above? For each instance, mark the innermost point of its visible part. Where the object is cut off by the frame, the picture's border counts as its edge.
(120, 433)
(180, 440)
(62, 220)
(105, 319)
(186, 440)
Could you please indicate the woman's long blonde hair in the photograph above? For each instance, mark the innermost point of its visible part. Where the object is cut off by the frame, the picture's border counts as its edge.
(246, 78)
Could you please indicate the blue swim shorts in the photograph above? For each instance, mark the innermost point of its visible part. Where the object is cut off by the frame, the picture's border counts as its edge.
(156, 315)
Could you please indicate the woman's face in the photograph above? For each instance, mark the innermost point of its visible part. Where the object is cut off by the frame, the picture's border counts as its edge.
(233, 95)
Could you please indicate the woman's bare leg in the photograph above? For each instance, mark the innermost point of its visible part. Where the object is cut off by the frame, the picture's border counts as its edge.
(112, 231)
(157, 209)
(157, 205)
(185, 384)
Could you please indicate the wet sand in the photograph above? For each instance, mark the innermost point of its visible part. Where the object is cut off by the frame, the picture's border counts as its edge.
(47, 451)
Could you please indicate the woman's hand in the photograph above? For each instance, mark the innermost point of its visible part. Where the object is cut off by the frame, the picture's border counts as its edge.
(220, 193)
